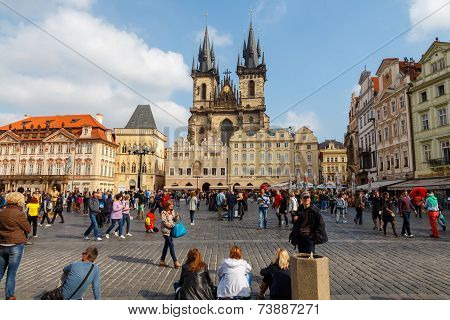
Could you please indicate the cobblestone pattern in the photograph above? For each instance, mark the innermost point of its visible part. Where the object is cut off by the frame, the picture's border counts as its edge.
(363, 263)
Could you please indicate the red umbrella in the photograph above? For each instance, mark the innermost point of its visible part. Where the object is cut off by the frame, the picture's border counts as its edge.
(418, 192)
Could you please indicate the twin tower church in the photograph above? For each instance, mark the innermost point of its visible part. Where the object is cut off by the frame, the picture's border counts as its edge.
(220, 108)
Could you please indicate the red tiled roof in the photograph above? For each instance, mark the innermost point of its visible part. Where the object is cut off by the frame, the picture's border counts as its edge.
(70, 121)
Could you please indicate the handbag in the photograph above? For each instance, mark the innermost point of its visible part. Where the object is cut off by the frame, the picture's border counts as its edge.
(178, 230)
(56, 294)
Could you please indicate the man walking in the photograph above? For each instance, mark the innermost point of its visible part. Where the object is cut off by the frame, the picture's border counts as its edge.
(377, 207)
(94, 210)
(309, 226)
(405, 207)
(220, 201)
(432, 206)
(231, 202)
(359, 206)
(263, 202)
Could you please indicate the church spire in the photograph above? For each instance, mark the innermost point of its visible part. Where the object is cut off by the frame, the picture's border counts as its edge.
(206, 55)
(251, 54)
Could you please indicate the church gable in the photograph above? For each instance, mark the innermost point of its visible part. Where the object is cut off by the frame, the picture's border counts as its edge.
(9, 137)
(61, 135)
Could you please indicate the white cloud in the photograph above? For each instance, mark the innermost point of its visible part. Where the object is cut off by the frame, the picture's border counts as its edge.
(270, 11)
(437, 23)
(219, 40)
(297, 120)
(356, 89)
(39, 76)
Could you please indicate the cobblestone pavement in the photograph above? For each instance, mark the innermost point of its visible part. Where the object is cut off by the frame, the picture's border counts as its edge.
(363, 263)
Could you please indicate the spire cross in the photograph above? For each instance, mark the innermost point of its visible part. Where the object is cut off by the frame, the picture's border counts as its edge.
(251, 15)
(227, 73)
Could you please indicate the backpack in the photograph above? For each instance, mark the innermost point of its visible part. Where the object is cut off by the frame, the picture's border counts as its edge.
(340, 203)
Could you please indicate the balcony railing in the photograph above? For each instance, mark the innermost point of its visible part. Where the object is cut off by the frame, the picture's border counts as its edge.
(439, 162)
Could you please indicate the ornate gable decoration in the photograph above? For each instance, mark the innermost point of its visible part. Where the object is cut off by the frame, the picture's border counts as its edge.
(62, 135)
(9, 137)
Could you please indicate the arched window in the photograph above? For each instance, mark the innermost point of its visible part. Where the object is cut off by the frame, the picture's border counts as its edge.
(124, 149)
(251, 88)
(144, 168)
(133, 168)
(122, 168)
(203, 91)
(202, 130)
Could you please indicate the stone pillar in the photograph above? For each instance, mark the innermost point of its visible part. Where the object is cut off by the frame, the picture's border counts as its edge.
(310, 279)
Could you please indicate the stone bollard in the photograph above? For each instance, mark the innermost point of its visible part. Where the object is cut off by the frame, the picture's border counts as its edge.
(310, 278)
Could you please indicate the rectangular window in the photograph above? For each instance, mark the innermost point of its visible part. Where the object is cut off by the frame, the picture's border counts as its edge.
(252, 145)
(12, 169)
(403, 124)
(423, 96)
(262, 173)
(180, 171)
(89, 147)
(386, 133)
(188, 171)
(441, 64)
(394, 129)
(269, 144)
(397, 161)
(78, 169)
(261, 144)
(393, 106)
(434, 67)
(261, 156)
(278, 171)
(442, 115)
(214, 171)
(426, 150)
(172, 171)
(252, 157)
(445, 151)
(39, 169)
(50, 169)
(87, 170)
(405, 159)
(278, 157)
(22, 168)
(286, 144)
(236, 145)
(286, 157)
(425, 125)
(244, 170)
(205, 171)
(385, 111)
(58, 169)
(401, 102)
(252, 171)
(388, 162)
(244, 157)
(244, 145)
(236, 171)
(236, 157)
(309, 158)
(269, 156)
(30, 168)
(379, 136)
(222, 171)
(440, 90)
(278, 144)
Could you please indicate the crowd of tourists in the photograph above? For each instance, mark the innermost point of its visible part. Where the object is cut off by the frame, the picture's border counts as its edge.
(300, 210)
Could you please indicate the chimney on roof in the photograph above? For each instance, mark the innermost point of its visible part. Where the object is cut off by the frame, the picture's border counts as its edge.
(26, 116)
(99, 118)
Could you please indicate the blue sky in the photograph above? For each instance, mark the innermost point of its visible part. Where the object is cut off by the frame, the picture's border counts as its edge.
(150, 44)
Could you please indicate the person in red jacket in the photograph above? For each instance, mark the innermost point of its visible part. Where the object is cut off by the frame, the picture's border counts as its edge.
(150, 222)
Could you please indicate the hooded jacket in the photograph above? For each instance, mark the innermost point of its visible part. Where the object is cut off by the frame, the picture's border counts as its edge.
(233, 282)
(431, 204)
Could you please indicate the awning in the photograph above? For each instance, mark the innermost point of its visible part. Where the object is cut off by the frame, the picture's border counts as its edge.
(218, 188)
(179, 188)
(378, 184)
(245, 187)
(433, 184)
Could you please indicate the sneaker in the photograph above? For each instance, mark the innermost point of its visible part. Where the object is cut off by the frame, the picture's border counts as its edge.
(374, 228)
(444, 228)
(28, 243)
(337, 222)
(192, 224)
(410, 236)
(345, 221)
(107, 236)
(35, 236)
(116, 234)
(129, 234)
(40, 224)
(122, 237)
(99, 239)
(86, 238)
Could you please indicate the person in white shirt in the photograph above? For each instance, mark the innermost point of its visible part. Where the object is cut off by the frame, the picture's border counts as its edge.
(234, 274)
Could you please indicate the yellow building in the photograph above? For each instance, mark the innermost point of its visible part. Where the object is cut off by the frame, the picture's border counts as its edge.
(333, 165)
(430, 101)
(140, 155)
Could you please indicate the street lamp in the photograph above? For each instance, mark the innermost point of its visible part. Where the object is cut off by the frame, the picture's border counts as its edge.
(140, 151)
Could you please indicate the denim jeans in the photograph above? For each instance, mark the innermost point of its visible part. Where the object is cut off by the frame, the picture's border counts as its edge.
(340, 212)
(230, 213)
(93, 225)
(263, 217)
(405, 227)
(10, 259)
(191, 215)
(168, 244)
(113, 224)
(359, 215)
(306, 245)
(125, 219)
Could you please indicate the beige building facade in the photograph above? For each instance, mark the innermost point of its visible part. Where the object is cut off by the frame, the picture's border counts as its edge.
(75, 152)
(430, 103)
(140, 155)
(193, 166)
(392, 120)
(333, 162)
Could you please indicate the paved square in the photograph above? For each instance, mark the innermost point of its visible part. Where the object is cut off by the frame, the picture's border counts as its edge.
(364, 264)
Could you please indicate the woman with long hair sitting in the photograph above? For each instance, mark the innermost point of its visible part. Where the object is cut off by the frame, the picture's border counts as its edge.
(195, 282)
(276, 277)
